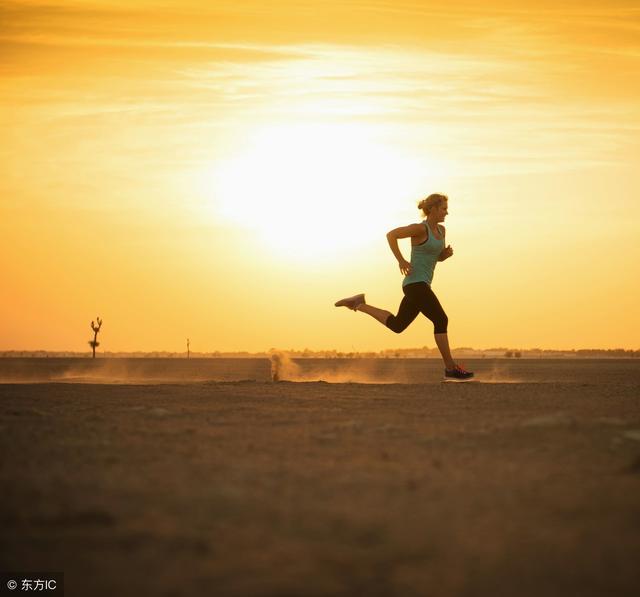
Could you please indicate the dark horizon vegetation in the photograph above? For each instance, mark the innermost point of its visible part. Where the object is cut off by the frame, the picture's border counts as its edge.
(422, 352)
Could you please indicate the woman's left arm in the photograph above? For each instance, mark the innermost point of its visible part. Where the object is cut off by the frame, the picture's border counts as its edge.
(447, 251)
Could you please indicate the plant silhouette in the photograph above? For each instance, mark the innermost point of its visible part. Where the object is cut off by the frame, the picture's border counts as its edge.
(96, 328)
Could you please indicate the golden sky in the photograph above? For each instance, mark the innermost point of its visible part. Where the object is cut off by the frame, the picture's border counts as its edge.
(225, 171)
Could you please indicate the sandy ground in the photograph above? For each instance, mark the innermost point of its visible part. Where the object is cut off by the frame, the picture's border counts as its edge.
(295, 489)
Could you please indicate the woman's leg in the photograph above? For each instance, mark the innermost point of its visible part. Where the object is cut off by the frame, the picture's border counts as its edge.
(442, 340)
(379, 314)
(407, 312)
(430, 307)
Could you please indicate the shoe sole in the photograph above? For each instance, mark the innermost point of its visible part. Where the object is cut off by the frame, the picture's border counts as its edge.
(350, 302)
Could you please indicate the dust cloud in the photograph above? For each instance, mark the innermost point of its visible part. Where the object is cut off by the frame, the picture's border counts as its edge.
(499, 373)
(281, 365)
(284, 368)
(132, 370)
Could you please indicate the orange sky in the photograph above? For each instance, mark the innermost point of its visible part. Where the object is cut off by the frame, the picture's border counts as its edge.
(225, 171)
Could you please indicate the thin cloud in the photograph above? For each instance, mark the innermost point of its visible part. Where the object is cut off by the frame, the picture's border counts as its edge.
(466, 76)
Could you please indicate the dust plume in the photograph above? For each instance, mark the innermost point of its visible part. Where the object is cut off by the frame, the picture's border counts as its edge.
(378, 371)
(283, 368)
(131, 370)
(499, 373)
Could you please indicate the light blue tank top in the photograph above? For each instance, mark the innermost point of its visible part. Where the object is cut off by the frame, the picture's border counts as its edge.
(424, 258)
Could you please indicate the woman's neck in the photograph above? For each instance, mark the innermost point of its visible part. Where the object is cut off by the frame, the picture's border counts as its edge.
(432, 222)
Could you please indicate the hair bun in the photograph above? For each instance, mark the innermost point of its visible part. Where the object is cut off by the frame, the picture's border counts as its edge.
(429, 202)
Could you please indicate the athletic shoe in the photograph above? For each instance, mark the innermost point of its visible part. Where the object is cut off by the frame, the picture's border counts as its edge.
(457, 373)
(353, 302)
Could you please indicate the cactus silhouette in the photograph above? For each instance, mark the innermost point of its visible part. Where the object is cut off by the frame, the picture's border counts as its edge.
(96, 328)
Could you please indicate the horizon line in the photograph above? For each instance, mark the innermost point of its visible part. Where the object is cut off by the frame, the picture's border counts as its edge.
(313, 352)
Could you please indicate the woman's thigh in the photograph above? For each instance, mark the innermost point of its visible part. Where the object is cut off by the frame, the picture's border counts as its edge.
(426, 302)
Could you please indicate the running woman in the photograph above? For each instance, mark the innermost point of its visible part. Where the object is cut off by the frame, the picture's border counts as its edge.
(427, 247)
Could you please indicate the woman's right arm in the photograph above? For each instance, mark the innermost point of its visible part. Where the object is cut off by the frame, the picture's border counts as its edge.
(403, 232)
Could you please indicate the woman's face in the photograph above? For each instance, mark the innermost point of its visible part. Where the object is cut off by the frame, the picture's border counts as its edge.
(440, 212)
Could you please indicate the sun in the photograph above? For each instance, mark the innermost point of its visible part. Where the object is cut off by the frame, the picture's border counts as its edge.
(311, 190)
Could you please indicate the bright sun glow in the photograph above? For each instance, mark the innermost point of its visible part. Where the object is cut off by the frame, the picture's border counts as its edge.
(312, 190)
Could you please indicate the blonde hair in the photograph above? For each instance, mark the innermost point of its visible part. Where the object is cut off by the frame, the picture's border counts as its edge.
(426, 205)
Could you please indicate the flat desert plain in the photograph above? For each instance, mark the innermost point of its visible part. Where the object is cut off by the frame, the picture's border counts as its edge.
(526, 483)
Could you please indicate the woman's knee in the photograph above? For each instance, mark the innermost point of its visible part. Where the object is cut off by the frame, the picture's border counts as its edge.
(395, 325)
(441, 324)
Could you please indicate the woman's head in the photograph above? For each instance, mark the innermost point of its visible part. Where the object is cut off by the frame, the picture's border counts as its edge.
(435, 200)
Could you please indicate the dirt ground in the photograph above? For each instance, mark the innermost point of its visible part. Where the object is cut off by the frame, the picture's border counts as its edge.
(296, 489)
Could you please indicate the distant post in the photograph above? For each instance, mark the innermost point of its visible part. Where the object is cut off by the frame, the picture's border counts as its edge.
(96, 328)
(188, 353)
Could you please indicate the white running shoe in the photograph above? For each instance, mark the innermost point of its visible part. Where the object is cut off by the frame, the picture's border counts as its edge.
(353, 302)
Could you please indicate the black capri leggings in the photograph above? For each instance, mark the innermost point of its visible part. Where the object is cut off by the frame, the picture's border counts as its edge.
(418, 298)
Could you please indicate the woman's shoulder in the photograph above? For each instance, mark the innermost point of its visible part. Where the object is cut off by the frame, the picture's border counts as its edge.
(417, 227)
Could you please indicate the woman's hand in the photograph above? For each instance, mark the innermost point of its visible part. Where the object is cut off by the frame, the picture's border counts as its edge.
(405, 267)
(446, 253)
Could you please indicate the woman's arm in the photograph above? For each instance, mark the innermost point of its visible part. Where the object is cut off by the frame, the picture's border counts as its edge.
(447, 251)
(403, 232)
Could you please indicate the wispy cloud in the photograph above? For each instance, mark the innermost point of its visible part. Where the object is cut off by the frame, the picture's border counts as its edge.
(462, 105)
(510, 81)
